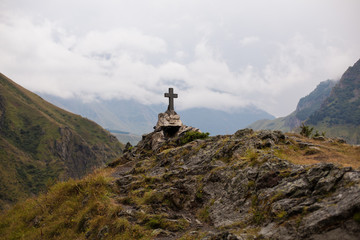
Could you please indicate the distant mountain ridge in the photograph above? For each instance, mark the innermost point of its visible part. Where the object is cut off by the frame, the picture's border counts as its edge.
(343, 105)
(131, 116)
(40, 143)
(306, 106)
(331, 108)
(220, 122)
(339, 114)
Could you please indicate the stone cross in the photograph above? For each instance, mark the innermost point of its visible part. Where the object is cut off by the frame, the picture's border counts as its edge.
(171, 95)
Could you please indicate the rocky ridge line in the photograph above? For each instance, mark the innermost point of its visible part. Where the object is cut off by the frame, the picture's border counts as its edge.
(239, 187)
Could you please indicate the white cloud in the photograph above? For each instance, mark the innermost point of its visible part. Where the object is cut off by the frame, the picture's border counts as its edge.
(249, 40)
(203, 54)
(117, 41)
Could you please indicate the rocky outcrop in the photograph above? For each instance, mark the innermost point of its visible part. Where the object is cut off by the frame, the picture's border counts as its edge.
(233, 187)
(240, 187)
(78, 155)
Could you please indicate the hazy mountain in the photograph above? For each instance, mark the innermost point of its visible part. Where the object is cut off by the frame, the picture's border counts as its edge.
(220, 122)
(135, 118)
(339, 114)
(332, 108)
(120, 115)
(306, 106)
(40, 143)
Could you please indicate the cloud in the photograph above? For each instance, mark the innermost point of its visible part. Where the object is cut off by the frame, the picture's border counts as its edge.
(119, 63)
(249, 40)
(116, 41)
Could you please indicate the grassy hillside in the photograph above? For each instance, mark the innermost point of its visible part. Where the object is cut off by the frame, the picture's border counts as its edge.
(41, 143)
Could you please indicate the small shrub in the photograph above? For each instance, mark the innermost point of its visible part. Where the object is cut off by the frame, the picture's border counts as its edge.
(251, 184)
(317, 134)
(251, 154)
(204, 214)
(281, 215)
(199, 194)
(154, 222)
(257, 211)
(192, 135)
(306, 130)
(152, 197)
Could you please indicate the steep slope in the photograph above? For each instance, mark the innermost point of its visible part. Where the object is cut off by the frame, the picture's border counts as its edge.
(306, 106)
(131, 116)
(40, 143)
(339, 114)
(250, 185)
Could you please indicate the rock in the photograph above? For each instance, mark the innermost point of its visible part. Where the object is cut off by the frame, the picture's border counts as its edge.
(220, 187)
(224, 236)
(267, 180)
(304, 145)
(168, 119)
(243, 132)
(340, 140)
(160, 233)
(103, 232)
(312, 150)
(336, 234)
(319, 138)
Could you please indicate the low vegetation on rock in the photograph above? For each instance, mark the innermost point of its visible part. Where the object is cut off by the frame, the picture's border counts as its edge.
(192, 135)
(249, 185)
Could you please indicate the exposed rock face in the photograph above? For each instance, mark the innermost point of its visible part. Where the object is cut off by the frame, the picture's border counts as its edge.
(78, 155)
(239, 187)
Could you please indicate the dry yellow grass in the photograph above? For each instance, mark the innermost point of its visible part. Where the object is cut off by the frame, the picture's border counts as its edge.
(328, 151)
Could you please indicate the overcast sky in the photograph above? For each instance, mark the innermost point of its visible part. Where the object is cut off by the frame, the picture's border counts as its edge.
(218, 54)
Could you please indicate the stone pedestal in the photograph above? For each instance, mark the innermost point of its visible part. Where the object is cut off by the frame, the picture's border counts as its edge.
(169, 126)
(168, 119)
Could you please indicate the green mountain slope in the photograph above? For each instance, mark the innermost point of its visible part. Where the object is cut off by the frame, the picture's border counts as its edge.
(339, 114)
(306, 106)
(40, 143)
(249, 185)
